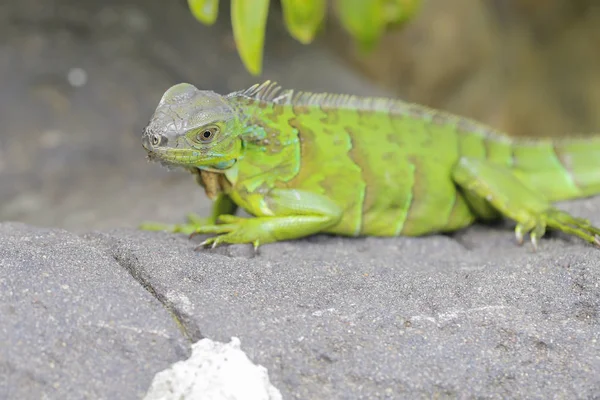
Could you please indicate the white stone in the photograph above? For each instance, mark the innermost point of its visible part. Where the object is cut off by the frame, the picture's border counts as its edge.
(214, 371)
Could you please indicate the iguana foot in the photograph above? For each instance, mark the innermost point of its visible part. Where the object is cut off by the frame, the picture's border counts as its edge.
(514, 199)
(560, 220)
(194, 222)
(234, 230)
(294, 214)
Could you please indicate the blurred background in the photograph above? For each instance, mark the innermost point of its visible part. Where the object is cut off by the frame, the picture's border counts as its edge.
(80, 79)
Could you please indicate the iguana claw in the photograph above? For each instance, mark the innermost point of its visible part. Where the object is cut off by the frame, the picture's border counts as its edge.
(554, 218)
(536, 228)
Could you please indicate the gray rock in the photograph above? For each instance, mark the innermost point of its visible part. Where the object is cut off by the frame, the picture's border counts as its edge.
(74, 324)
(467, 315)
(463, 315)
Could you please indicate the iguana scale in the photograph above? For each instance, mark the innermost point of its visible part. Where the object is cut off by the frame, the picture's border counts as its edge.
(304, 163)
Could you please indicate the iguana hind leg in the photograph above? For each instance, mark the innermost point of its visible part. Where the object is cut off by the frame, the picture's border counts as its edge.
(513, 199)
(287, 214)
(222, 205)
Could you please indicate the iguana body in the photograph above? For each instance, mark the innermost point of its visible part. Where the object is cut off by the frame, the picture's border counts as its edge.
(304, 163)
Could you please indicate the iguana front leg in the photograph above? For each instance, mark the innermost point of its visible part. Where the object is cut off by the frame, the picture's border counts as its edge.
(513, 199)
(222, 205)
(286, 214)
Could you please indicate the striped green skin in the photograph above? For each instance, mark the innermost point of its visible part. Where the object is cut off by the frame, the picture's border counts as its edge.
(387, 163)
(305, 163)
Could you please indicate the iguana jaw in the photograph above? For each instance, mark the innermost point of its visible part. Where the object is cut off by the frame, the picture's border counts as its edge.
(182, 158)
(187, 158)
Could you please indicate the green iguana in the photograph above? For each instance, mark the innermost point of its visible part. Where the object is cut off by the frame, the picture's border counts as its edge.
(303, 163)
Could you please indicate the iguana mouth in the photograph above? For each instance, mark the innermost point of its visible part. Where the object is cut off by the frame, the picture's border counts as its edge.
(173, 162)
(154, 157)
(176, 157)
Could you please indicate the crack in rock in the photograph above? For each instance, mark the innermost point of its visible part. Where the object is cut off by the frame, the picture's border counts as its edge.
(173, 303)
(178, 305)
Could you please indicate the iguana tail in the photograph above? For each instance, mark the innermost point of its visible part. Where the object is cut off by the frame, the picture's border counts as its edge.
(564, 168)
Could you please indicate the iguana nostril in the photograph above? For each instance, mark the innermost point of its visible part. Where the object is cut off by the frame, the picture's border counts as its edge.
(153, 140)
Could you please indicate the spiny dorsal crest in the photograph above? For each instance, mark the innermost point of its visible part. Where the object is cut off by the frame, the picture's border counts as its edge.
(272, 92)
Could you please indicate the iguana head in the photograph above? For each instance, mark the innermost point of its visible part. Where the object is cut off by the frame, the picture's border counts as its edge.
(193, 128)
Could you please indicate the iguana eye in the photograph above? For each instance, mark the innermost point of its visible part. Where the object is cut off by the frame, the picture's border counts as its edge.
(207, 134)
(155, 140)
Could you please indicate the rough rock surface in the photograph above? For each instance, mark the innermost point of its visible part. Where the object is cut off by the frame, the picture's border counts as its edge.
(472, 315)
(467, 315)
(74, 323)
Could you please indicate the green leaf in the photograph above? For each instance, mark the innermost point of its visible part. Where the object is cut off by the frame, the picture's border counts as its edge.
(303, 18)
(249, 20)
(400, 11)
(363, 19)
(205, 11)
